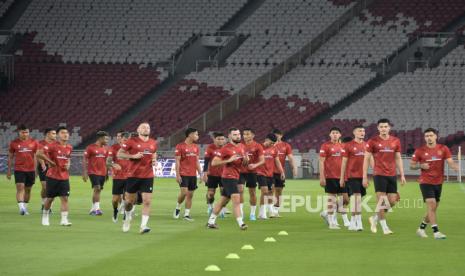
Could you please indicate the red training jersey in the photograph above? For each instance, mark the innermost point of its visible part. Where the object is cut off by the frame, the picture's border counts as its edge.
(212, 151)
(253, 150)
(189, 154)
(384, 154)
(435, 157)
(267, 169)
(24, 152)
(333, 159)
(284, 149)
(140, 168)
(232, 170)
(124, 164)
(96, 159)
(60, 155)
(355, 154)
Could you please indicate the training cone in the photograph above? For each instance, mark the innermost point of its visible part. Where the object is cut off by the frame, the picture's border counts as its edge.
(283, 233)
(270, 239)
(247, 247)
(232, 256)
(212, 268)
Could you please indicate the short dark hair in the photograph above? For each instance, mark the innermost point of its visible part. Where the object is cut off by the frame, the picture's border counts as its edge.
(22, 127)
(217, 134)
(335, 129)
(121, 131)
(61, 128)
(357, 126)
(430, 129)
(133, 134)
(47, 130)
(231, 129)
(277, 132)
(189, 131)
(272, 137)
(248, 129)
(101, 134)
(384, 121)
(347, 139)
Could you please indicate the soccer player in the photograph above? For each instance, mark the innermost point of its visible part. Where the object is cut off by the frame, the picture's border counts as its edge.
(352, 171)
(248, 176)
(120, 167)
(284, 150)
(22, 150)
(212, 174)
(386, 152)
(430, 160)
(265, 175)
(58, 158)
(232, 157)
(330, 173)
(94, 166)
(187, 166)
(50, 136)
(142, 154)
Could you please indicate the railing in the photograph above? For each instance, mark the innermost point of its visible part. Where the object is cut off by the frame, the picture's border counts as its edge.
(251, 90)
(7, 69)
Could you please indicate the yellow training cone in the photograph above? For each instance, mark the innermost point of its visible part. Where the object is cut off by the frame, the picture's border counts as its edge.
(247, 247)
(232, 256)
(270, 239)
(212, 268)
(283, 233)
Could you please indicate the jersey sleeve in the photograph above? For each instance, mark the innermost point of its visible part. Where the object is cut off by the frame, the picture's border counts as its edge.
(416, 156)
(12, 148)
(128, 145)
(345, 150)
(447, 153)
(288, 149)
(370, 146)
(398, 146)
(323, 151)
(178, 150)
(208, 152)
(36, 146)
(87, 152)
(260, 151)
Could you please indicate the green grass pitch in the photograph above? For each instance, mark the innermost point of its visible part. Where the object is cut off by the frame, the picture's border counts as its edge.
(97, 246)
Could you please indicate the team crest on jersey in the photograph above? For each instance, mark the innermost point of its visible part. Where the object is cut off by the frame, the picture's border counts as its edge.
(439, 152)
(138, 146)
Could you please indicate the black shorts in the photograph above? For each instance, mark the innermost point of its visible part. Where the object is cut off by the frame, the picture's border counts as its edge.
(42, 174)
(277, 181)
(229, 187)
(56, 187)
(97, 180)
(213, 182)
(355, 186)
(189, 182)
(249, 179)
(119, 186)
(431, 191)
(28, 178)
(334, 187)
(385, 184)
(265, 181)
(143, 185)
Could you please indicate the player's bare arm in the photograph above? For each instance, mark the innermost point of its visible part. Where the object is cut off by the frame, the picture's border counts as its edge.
(10, 161)
(178, 165)
(322, 171)
(280, 168)
(343, 171)
(366, 162)
(41, 156)
(400, 167)
(261, 161)
(452, 164)
(290, 157)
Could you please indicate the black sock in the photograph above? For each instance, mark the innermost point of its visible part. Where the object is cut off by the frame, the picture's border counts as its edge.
(423, 225)
(115, 211)
(435, 228)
